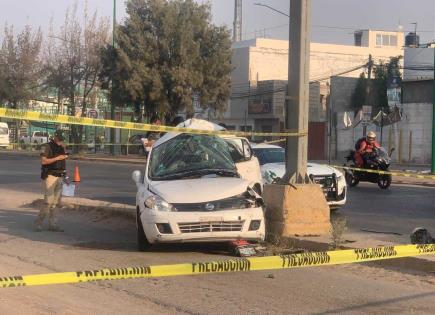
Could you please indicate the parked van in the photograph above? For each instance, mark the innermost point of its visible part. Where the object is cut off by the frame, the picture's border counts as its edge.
(4, 135)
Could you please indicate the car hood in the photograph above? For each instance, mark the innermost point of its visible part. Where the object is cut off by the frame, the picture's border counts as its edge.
(199, 189)
(312, 169)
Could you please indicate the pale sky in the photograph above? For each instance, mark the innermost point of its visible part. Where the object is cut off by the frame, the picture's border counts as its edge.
(326, 16)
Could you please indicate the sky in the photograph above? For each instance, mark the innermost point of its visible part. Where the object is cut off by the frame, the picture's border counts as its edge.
(333, 21)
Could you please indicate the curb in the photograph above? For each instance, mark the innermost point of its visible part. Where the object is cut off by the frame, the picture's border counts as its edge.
(89, 205)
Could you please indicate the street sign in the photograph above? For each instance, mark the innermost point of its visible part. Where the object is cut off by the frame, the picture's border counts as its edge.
(92, 113)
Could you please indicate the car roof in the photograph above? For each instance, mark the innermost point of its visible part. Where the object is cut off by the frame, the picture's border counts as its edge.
(193, 123)
(264, 146)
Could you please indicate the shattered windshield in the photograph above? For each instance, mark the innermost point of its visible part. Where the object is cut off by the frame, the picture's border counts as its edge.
(187, 155)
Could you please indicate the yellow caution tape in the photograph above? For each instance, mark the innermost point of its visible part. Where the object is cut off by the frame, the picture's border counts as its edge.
(274, 141)
(405, 174)
(233, 265)
(65, 119)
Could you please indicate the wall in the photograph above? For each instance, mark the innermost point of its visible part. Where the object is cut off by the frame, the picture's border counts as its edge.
(417, 91)
(410, 137)
(417, 58)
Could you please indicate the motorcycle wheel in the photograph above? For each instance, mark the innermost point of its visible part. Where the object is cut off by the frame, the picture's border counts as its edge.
(351, 179)
(384, 181)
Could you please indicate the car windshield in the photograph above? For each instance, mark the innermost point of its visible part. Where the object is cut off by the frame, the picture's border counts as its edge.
(3, 131)
(270, 155)
(191, 155)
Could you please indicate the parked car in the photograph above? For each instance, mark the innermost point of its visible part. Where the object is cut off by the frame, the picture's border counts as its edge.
(4, 135)
(37, 138)
(272, 163)
(135, 145)
(193, 191)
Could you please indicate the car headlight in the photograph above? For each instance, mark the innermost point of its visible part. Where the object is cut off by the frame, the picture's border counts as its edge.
(158, 204)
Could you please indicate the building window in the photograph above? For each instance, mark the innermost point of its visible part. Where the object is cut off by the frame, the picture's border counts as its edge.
(378, 40)
(386, 40)
(246, 128)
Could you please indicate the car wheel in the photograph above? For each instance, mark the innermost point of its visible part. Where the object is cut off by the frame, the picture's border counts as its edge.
(142, 242)
(37, 145)
(384, 181)
(351, 179)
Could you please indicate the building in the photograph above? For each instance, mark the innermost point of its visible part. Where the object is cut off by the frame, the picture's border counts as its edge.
(261, 70)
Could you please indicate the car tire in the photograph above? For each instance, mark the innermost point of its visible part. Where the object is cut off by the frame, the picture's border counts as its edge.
(142, 241)
(384, 181)
(351, 179)
(37, 145)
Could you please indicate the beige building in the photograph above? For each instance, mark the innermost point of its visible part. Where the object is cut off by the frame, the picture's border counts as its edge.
(263, 59)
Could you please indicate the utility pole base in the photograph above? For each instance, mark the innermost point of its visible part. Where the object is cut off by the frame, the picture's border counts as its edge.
(298, 209)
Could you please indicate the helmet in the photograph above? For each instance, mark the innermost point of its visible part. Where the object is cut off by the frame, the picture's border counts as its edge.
(371, 135)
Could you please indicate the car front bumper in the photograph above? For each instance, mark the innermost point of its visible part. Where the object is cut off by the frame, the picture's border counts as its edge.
(210, 226)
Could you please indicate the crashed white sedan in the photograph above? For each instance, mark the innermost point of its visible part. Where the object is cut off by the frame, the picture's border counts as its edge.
(192, 191)
(272, 165)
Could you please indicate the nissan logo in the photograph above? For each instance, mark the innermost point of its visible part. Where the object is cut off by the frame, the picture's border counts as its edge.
(209, 206)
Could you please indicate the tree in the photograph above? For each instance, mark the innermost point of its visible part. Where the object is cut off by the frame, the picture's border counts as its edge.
(167, 53)
(359, 94)
(378, 89)
(19, 66)
(73, 63)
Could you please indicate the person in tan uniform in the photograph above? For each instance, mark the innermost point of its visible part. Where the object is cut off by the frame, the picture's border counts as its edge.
(53, 171)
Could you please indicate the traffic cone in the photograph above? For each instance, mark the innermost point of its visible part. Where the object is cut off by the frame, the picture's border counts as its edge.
(76, 175)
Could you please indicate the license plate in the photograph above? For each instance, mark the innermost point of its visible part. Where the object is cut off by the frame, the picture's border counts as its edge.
(211, 219)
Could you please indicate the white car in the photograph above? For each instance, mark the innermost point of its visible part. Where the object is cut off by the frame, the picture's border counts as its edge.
(193, 191)
(272, 162)
(4, 135)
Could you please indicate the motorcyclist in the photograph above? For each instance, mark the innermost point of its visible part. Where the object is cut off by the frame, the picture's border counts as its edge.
(366, 145)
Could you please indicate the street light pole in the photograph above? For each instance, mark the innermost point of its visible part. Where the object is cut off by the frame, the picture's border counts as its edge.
(433, 117)
(273, 9)
(112, 105)
(298, 91)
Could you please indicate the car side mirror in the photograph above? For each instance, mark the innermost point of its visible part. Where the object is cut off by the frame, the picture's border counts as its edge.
(136, 176)
(247, 151)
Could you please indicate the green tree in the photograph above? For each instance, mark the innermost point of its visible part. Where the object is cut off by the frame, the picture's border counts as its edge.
(377, 97)
(359, 94)
(168, 52)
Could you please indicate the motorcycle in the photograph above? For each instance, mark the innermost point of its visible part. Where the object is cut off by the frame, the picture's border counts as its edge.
(378, 160)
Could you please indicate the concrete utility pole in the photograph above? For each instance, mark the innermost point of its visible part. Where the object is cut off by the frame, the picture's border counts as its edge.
(369, 82)
(298, 91)
(237, 25)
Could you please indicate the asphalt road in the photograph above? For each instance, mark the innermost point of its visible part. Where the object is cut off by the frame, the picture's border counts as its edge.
(399, 209)
(99, 181)
(94, 241)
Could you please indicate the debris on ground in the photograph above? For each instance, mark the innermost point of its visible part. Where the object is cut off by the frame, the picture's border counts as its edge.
(421, 235)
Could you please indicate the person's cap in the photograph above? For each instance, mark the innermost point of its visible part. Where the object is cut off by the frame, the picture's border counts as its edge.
(59, 135)
(371, 134)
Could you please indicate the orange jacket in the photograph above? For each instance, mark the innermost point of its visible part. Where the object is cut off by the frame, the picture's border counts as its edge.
(367, 147)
